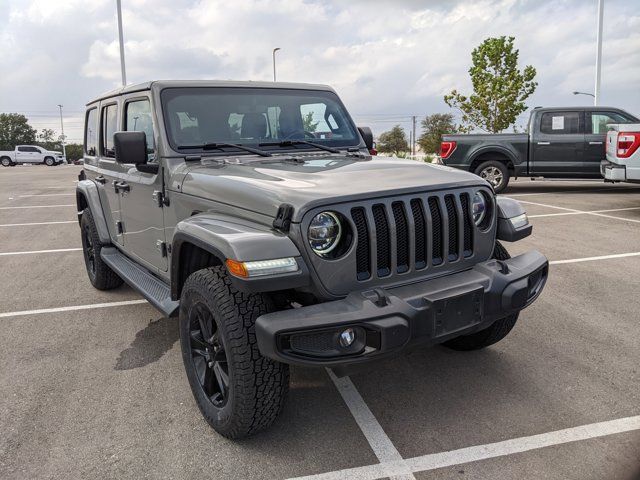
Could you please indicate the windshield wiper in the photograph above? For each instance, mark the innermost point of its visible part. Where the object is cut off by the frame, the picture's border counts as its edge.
(221, 145)
(289, 143)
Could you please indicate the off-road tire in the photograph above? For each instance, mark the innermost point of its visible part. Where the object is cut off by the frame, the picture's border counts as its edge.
(257, 385)
(100, 274)
(493, 334)
(495, 164)
(6, 162)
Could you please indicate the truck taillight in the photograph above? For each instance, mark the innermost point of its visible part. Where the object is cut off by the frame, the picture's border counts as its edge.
(628, 143)
(446, 149)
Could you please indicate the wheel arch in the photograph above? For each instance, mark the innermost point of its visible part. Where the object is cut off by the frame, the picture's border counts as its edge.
(87, 196)
(495, 153)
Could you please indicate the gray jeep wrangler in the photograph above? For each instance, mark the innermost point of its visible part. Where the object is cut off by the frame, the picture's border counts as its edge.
(255, 213)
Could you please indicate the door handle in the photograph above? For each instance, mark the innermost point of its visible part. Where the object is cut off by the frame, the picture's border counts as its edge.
(544, 143)
(101, 179)
(595, 143)
(121, 186)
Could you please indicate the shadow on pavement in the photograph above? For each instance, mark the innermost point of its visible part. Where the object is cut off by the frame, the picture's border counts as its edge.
(150, 344)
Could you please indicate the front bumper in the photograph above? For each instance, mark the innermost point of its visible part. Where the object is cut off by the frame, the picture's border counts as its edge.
(384, 321)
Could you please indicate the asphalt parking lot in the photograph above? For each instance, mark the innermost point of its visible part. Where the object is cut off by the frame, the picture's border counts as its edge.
(100, 391)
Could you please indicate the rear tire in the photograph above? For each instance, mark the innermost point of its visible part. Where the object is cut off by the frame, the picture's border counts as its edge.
(494, 333)
(100, 274)
(238, 391)
(6, 162)
(494, 172)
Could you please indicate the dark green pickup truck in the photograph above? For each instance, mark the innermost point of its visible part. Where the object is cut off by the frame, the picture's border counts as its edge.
(562, 142)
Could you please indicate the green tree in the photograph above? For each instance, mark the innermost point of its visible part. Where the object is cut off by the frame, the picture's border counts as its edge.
(433, 127)
(48, 139)
(394, 141)
(74, 151)
(308, 124)
(499, 87)
(15, 130)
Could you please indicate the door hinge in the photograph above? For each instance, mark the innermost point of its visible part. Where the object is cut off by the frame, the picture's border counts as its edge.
(120, 228)
(160, 199)
(162, 247)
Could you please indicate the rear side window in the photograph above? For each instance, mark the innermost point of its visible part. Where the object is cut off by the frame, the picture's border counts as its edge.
(138, 119)
(600, 121)
(91, 133)
(560, 123)
(109, 127)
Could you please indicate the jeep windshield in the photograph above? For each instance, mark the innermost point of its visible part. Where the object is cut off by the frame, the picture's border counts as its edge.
(274, 120)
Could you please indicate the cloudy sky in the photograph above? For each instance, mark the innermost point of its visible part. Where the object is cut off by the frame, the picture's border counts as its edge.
(387, 59)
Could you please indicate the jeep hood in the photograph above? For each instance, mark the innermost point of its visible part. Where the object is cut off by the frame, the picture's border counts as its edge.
(262, 186)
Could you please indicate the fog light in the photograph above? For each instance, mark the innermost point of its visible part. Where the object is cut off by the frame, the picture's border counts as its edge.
(347, 337)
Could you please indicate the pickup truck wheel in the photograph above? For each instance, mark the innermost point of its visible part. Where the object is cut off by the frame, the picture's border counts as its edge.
(238, 391)
(494, 172)
(493, 334)
(49, 162)
(6, 162)
(100, 274)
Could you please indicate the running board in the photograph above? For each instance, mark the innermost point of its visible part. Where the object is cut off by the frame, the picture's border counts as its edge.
(149, 286)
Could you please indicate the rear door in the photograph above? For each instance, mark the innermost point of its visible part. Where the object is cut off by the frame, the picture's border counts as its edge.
(142, 211)
(558, 144)
(596, 135)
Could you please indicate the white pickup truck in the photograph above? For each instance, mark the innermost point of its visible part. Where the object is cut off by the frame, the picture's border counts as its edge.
(30, 154)
(623, 153)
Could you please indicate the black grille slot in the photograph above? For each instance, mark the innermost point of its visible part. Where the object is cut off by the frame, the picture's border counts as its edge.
(468, 225)
(436, 233)
(452, 217)
(420, 233)
(363, 253)
(383, 240)
(402, 236)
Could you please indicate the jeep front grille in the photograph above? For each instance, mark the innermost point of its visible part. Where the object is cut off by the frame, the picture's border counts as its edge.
(410, 234)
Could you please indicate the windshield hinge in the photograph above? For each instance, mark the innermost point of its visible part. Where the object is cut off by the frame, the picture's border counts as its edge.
(283, 217)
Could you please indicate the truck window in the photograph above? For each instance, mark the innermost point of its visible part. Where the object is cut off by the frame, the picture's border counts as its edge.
(23, 149)
(601, 120)
(90, 132)
(109, 127)
(138, 119)
(560, 123)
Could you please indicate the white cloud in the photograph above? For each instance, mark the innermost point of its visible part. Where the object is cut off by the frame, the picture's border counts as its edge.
(395, 57)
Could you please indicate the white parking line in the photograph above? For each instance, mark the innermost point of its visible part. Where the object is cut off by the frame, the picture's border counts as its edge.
(72, 308)
(50, 195)
(57, 250)
(36, 223)
(380, 443)
(482, 452)
(580, 212)
(38, 206)
(575, 211)
(592, 259)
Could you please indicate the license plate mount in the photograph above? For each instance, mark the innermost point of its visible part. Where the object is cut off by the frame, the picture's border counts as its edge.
(457, 310)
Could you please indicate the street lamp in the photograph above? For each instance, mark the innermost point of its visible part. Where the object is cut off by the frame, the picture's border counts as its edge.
(121, 40)
(64, 150)
(274, 62)
(584, 93)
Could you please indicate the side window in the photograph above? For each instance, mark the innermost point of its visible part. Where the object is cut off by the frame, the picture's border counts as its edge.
(601, 120)
(560, 123)
(109, 127)
(23, 149)
(138, 119)
(90, 133)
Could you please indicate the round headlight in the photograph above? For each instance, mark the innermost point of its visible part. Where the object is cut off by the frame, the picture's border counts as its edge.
(324, 232)
(479, 208)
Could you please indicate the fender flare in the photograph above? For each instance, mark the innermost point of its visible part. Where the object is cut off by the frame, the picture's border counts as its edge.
(509, 208)
(87, 195)
(493, 148)
(227, 237)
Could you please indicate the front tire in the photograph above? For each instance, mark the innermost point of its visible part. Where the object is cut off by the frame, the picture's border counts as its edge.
(50, 162)
(100, 274)
(494, 172)
(492, 334)
(238, 391)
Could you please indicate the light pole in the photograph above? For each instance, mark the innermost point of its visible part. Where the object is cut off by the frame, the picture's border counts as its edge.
(64, 150)
(274, 62)
(584, 93)
(598, 51)
(121, 38)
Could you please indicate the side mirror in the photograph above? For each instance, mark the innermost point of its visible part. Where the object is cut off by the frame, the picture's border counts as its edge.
(130, 147)
(367, 136)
